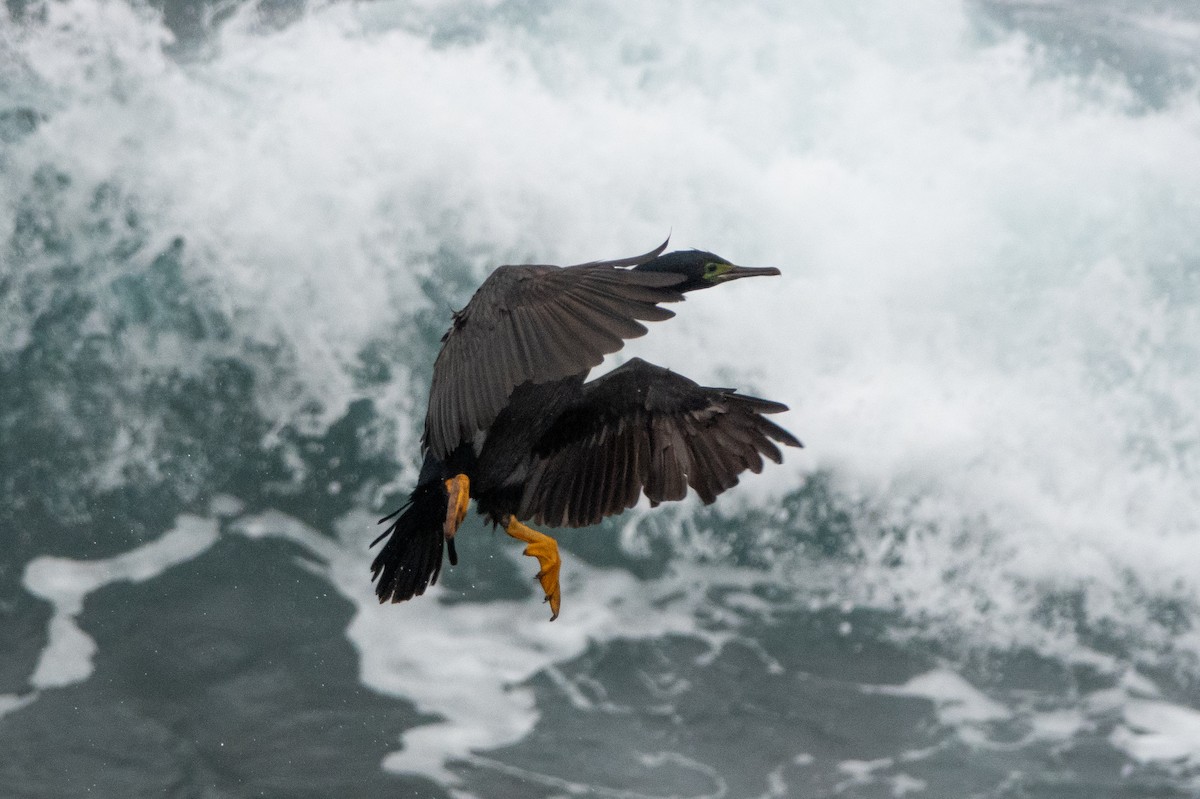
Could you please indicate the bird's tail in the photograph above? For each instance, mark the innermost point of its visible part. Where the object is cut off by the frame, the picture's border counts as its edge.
(412, 557)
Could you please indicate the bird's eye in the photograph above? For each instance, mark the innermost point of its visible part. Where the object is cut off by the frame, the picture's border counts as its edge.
(714, 269)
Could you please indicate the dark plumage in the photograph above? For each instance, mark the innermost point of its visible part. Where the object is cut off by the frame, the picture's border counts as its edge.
(536, 323)
(644, 429)
(512, 424)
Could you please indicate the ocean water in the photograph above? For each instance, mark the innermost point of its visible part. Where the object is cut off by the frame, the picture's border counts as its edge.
(231, 235)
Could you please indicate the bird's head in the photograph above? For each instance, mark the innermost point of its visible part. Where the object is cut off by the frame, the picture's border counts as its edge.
(702, 269)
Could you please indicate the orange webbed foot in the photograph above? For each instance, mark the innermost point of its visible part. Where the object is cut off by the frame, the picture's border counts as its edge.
(545, 549)
(458, 491)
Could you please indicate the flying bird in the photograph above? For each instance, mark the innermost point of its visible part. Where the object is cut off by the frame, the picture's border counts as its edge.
(513, 425)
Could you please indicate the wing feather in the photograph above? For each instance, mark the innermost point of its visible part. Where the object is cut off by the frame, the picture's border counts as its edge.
(536, 324)
(633, 260)
(641, 430)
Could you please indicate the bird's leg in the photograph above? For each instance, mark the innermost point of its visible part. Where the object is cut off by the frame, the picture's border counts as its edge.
(458, 497)
(545, 549)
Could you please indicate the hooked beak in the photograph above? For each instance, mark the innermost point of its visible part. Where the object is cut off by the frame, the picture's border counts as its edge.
(749, 271)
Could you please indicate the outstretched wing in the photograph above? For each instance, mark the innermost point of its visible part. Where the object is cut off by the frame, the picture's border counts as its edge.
(536, 323)
(642, 428)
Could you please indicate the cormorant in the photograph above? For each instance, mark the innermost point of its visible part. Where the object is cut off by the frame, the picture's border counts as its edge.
(512, 424)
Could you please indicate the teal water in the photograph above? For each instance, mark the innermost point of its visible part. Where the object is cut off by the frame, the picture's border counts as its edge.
(231, 237)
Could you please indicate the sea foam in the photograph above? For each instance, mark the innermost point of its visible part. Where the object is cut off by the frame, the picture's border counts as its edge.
(987, 323)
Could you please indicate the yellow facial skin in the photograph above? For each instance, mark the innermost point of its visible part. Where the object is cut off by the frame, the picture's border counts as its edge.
(715, 270)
